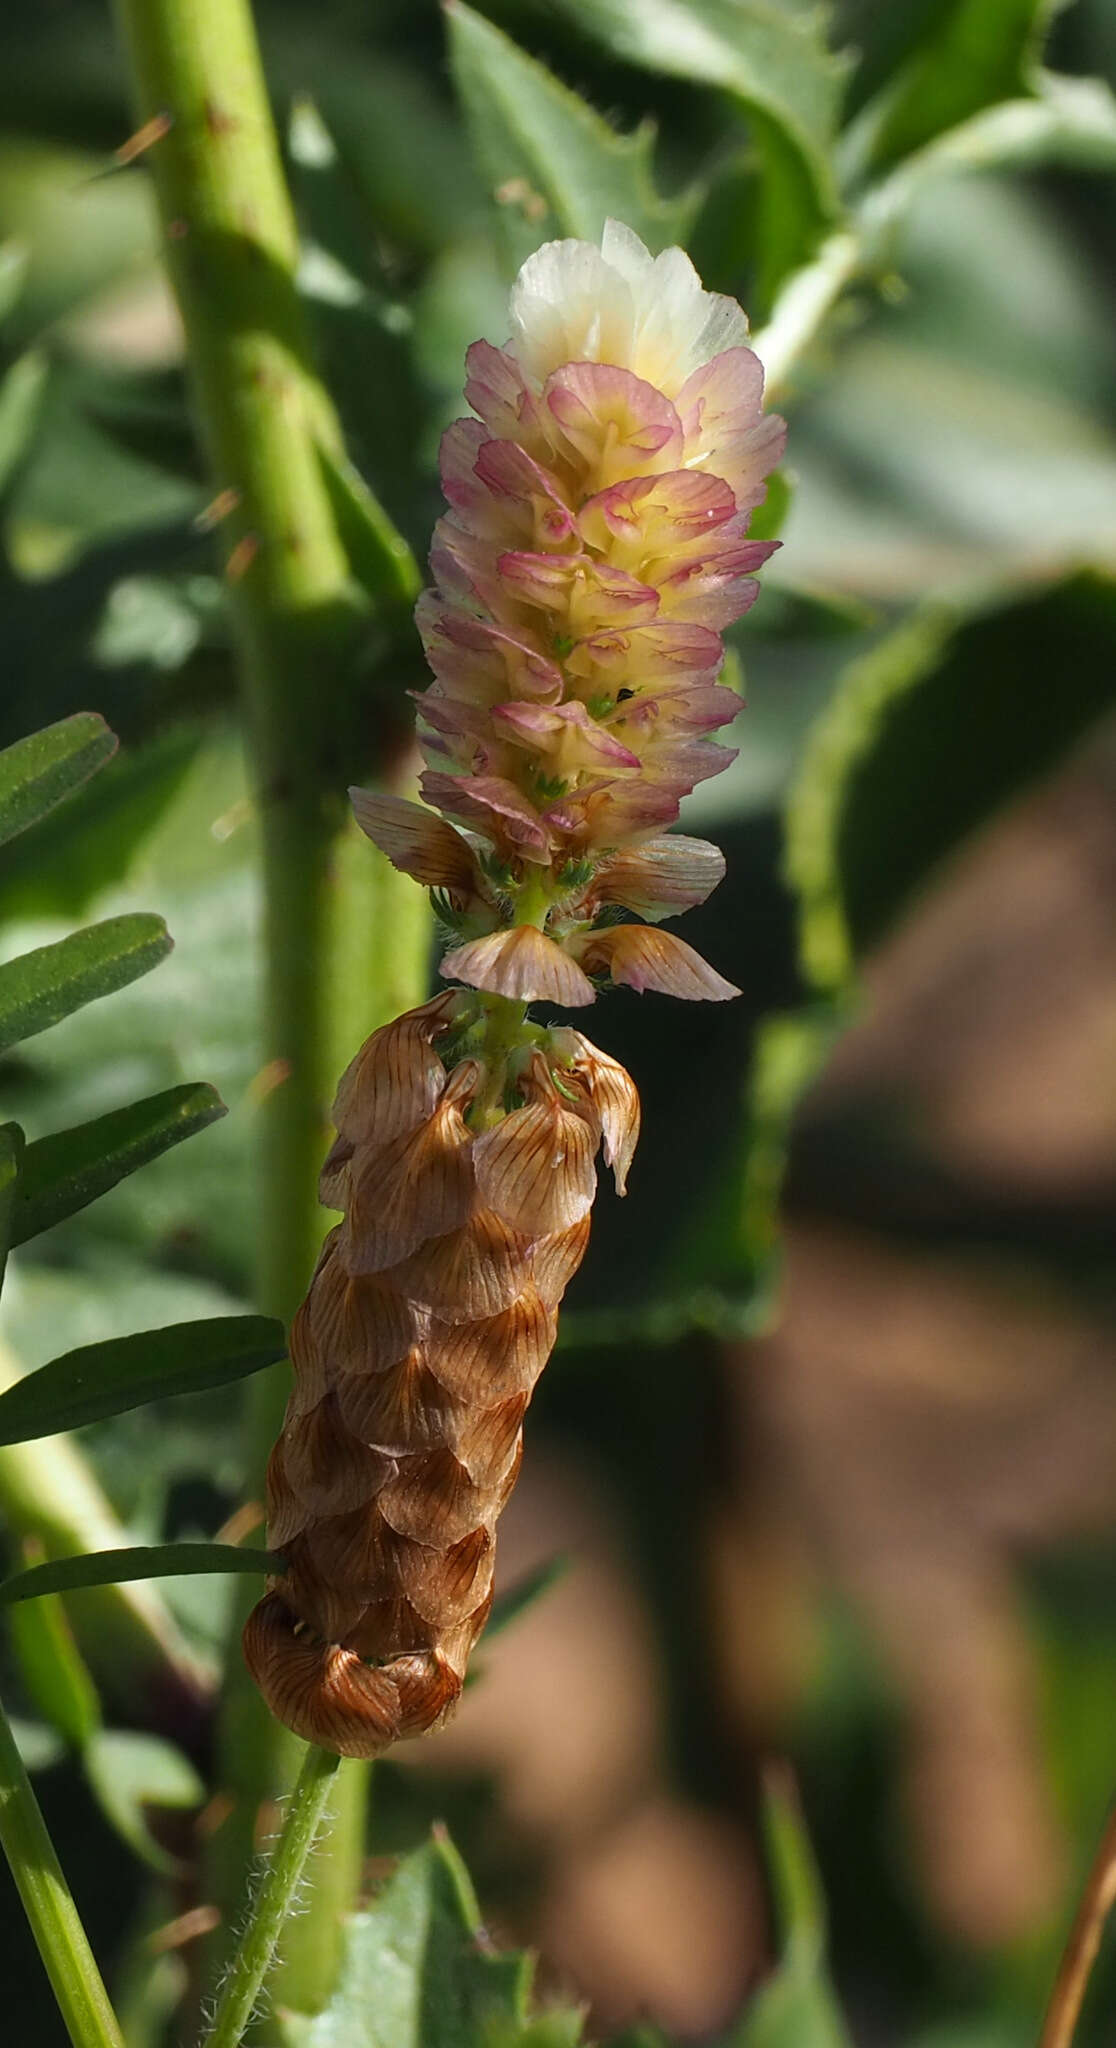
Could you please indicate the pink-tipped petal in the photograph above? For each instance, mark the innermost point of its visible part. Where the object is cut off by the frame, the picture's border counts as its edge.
(417, 842)
(493, 806)
(660, 877)
(522, 963)
(642, 957)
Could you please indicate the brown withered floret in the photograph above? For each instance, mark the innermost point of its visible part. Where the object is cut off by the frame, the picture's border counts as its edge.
(430, 1316)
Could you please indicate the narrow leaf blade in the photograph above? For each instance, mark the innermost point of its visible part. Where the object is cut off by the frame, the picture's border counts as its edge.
(379, 557)
(139, 1561)
(54, 1671)
(38, 772)
(11, 1158)
(107, 1379)
(69, 1169)
(42, 987)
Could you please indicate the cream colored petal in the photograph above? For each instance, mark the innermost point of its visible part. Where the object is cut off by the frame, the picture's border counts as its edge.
(522, 963)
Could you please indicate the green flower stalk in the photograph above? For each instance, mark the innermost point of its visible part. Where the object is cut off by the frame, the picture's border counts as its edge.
(596, 547)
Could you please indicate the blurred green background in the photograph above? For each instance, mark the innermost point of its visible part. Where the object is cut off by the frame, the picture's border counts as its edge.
(846, 1490)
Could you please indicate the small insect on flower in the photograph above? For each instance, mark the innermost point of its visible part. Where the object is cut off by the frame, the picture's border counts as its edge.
(595, 549)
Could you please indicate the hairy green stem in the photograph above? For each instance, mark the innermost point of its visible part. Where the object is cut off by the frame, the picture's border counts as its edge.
(273, 1900)
(62, 1942)
(232, 253)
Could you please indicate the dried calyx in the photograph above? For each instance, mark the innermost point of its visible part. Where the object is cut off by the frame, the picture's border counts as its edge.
(595, 549)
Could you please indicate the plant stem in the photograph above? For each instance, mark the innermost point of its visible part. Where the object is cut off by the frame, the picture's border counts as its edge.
(802, 306)
(1072, 1981)
(62, 1942)
(231, 250)
(272, 1903)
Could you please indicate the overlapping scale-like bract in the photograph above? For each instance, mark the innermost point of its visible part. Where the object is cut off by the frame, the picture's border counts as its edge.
(430, 1316)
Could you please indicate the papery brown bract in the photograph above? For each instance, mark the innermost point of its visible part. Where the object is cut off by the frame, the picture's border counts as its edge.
(430, 1316)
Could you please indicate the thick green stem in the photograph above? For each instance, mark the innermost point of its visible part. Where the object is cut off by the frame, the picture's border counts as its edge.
(273, 1899)
(75, 1979)
(232, 252)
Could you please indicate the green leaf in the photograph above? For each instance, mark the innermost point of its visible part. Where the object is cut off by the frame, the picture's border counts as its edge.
(106, 1379)
(36, 773)
(789, 1054)
(796, 2007)
(54, 1671)
(416, 1973)
(21, 394)
(138, 1561)
(42, 987)
(11, 1162)
(13, 271)
(978, 53)
(1068, 121)
(89, 847)
(129, 1772)
(64, 1172)
(553, 165)
(925, 738)
(379, 557)
(775, 63)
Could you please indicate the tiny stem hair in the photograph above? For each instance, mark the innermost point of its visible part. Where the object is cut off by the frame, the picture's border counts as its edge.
(273, 1898)
(47, 1901)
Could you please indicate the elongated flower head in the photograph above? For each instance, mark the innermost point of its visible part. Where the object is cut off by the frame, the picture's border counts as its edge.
(595, 549)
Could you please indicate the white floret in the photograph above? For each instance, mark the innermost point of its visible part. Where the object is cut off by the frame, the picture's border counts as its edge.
(573, 302)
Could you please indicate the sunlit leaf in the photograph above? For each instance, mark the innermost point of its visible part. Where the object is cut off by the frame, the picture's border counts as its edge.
(923, 741)
(415, 1974)
(138, 1561)
(552, 163)
(129, 1772)
(65, 1171)
(53, 1670)
(38, 772)
(106, 1379)
(40, 1747)
(42, 987)
(775, 63)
